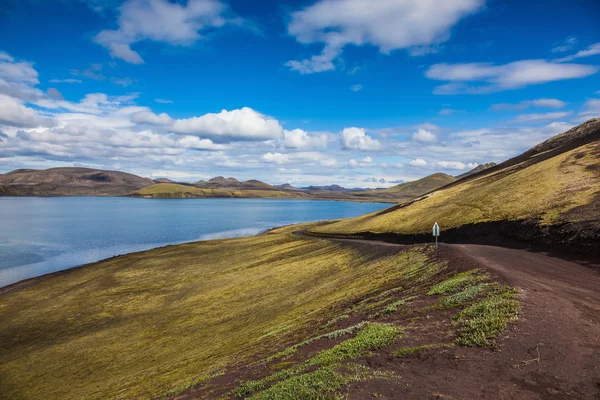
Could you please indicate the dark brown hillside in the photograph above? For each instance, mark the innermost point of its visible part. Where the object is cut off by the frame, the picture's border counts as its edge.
(71, 182)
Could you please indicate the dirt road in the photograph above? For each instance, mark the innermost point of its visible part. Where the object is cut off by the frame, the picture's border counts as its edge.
(551, 352)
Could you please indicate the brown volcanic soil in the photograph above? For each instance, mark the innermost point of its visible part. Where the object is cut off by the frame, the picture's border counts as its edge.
(551, 352)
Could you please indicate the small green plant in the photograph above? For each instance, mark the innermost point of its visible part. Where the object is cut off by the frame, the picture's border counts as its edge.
(319, 384)
(465, 295)
(373, 336)
(393, 307)
(457, 282)
(330, 335)
(335, 320)
(480, 323)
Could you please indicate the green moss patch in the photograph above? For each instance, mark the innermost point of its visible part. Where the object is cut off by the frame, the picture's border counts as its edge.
(480, 323)
(457, 282)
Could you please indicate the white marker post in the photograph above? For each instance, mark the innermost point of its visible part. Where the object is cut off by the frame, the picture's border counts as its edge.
(436, 233)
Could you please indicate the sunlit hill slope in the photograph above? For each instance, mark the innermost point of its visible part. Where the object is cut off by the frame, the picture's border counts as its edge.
(548, 195)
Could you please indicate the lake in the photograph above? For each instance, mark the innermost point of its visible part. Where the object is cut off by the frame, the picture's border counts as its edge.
(39, 235)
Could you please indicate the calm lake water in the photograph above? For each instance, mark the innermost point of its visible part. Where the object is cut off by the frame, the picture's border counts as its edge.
(40, 235)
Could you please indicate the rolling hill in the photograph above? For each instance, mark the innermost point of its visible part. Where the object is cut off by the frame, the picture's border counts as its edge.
(70, 182)
(479, 168)
(410, 190)
(549, 195)
(179, 191)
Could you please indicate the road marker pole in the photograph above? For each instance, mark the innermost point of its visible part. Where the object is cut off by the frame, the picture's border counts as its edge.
(436, 233)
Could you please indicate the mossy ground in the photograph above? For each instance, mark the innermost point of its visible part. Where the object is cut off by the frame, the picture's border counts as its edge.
(155, 323)
(143, 324)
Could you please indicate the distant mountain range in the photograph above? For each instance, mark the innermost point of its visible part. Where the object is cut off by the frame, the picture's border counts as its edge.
(94, 182)
(70, 182)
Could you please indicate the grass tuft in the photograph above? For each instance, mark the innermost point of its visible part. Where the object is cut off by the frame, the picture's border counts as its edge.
(330, 335)
(456, 283)
(480, 323)
(374, 336)
(393, 307)
(462, 297)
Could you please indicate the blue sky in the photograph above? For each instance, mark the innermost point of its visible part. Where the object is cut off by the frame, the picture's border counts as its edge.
(308, 92)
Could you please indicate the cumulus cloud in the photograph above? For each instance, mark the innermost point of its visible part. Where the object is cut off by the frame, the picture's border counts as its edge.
(14, 113)
(161, 21)
(55, 94)
(300, 158)
(592, 50)
(493, 78)
(424, 136)
(300, 139)
(13, 71)
(419, 162)
(163, 101)
(366, 162)
(539, 117)
(457, 165)
(148, 117)
(357, 139)
(242, 124)
(388, 25)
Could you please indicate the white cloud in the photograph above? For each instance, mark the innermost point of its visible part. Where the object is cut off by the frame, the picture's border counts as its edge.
(301, 158)
(65, 80)
(419, 162)
(549, 103)
(366, 162)
(592, 50)
(163, 101)
(300, 139)
(565, 45)
(12, 71)
(591, 109)
(242, 124)
(4, 56)
(538, 103)
(148, 117)
(161, 21)
(55, 94)
(424, 136)
(356, 88)
(14, 113)
(539, 117)
(357, 139)
(446, 111)
(494, 78)
(457, 165)
(386, 24)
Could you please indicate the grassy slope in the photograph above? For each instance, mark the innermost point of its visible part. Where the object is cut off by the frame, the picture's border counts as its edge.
(143, 324)
(415, 188)
(169, 190)
(546, 190)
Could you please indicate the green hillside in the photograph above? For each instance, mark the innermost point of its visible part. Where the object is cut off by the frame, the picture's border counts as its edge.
(174, 190)
(556, 183)
(145, 325)
(410, 190)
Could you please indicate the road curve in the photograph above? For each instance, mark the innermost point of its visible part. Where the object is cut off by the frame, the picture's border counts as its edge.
(559, 322)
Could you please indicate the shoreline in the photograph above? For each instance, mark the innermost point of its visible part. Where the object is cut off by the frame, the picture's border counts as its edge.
(24, 283)
(382, 201)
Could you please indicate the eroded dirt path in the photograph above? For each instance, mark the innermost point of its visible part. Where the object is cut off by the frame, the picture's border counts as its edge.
(551, 352)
